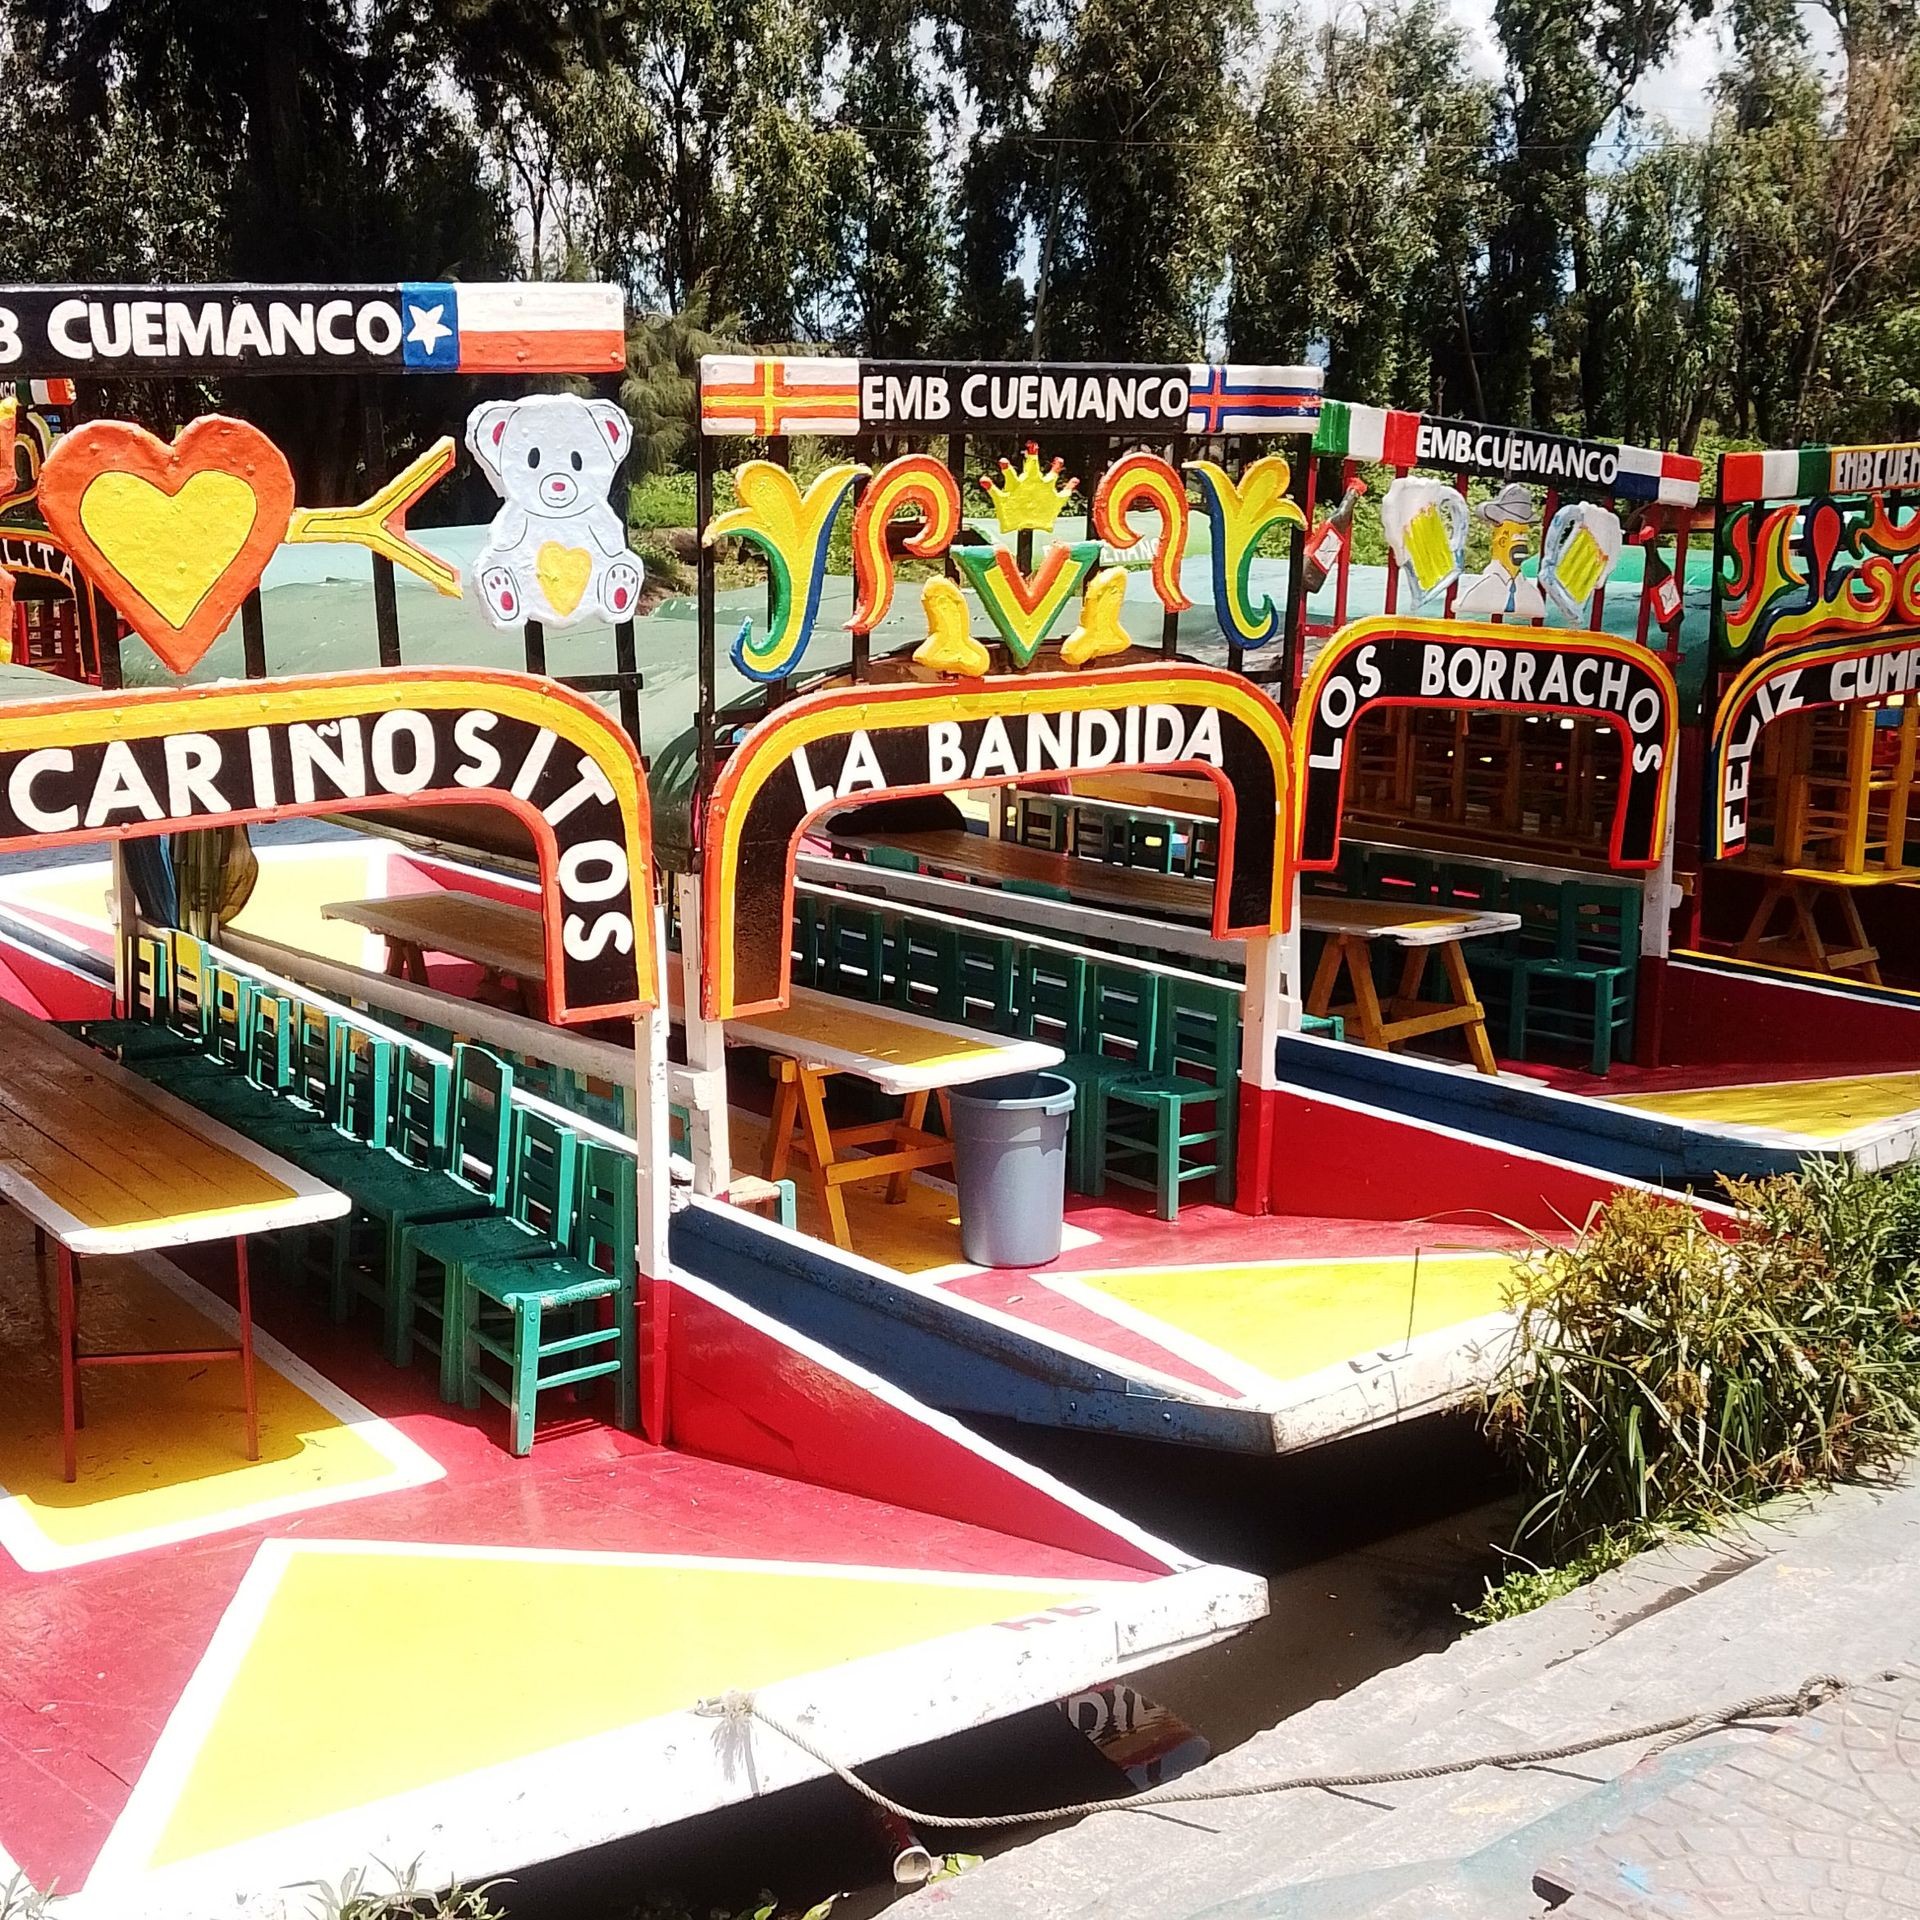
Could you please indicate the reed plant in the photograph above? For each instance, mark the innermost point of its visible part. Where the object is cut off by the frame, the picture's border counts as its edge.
(1666, 1372)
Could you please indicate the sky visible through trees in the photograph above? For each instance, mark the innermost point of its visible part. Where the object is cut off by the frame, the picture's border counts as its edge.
(1077, 179)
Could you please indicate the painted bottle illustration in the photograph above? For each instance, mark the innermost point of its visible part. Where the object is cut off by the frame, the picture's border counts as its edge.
(1332, 535)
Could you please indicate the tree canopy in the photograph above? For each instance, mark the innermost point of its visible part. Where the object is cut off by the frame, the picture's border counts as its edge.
(1073, 179)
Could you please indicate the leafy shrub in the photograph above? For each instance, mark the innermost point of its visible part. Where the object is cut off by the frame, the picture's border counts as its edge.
(662, 564)
(353, 1899)
(1663, 1375)
(1526, 1586)
(21, 1901)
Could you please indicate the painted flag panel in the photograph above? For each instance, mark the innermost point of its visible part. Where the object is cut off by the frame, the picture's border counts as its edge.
(1230, 399)
(533, 327)
(416, 326)
(1647, 473)
(1789, 473)
(739, 394)
(1388, 434)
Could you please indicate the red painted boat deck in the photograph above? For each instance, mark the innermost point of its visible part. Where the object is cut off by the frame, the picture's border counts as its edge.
(383, 1536)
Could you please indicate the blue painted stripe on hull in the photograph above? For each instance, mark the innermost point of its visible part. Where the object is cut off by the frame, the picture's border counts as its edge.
(1616, 1140)
(938, 1352)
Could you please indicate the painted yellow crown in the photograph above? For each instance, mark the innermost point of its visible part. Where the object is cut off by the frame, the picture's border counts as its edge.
(1029, 501)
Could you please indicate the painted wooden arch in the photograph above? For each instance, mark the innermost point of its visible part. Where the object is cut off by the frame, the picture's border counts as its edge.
(29, 554)
(1393, 662)
(120, 765)
(1793, 679)
(842, 747)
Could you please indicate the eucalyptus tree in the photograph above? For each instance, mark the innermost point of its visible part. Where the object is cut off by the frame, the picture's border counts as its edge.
(1364, 206)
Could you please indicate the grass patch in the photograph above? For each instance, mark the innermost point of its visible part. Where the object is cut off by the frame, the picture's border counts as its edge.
(354, 1899)
(1666, 1377)
(1526, 1586)
(21, 1901)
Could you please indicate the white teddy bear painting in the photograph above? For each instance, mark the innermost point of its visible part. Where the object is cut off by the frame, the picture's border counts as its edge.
(556, 552)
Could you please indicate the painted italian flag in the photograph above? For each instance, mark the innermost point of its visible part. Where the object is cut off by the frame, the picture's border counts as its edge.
(1386, 434)
(1783, 474)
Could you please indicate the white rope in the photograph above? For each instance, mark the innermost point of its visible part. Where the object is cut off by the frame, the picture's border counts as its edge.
(740, 1707)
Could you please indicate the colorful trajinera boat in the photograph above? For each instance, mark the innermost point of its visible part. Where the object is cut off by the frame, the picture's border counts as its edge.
(1384, 910)
(376, 1488)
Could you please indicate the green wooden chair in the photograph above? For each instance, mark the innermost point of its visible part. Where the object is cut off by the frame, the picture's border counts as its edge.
(338, 1099)
(1142, 840)
(856, 952)
(1050, 997)
(1395, 874)
(1141, 1136)
(346, 1125)
(1581, 993)
(213, 1076)
(1040, 820)
(538, 1224)
(809, 940)
(269, 1055)
(921, 967)
(230, 1016)
(985, 997)
(1469, 886)
(1119, 1024)
(1497, 964)
(447, 1158)
(147, 1031)
(507, 1307)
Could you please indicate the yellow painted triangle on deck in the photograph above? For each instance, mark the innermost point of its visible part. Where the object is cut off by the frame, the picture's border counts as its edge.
(373, 1674)
(162, 1445)
(1292, 1317)
(1814, 1109)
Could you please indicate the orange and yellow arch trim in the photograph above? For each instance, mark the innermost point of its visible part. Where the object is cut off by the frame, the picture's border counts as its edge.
(1389, 661)
(111, 766)
(1834, 672)
(844, 746)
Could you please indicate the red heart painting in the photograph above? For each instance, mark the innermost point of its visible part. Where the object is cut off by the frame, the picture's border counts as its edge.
(175, 536)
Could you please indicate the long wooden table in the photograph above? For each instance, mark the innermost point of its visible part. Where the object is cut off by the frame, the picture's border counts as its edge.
(1496, 859)
(1156, 793)
(1057, 917)
(817, 1036)
(952, 850)
(1487, 847)
(103, 1162)
(506, 942)
(1352, 926)
(904, 1054)
(1800, 890)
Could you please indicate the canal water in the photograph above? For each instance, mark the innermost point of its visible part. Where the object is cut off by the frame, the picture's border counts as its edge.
(1370, 1549)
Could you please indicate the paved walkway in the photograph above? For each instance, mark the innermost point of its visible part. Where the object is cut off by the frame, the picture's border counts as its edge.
(1829, 1585)
(1823, 1817)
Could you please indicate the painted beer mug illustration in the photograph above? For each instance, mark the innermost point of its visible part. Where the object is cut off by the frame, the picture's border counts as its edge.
(1582, 544)
(1425, 522)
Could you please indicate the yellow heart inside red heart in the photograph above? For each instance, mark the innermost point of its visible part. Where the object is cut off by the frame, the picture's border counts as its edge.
(175, 536)
(172, 549)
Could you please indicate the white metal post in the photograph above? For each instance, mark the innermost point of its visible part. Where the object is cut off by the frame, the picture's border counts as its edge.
(654, 1191)
(1659, 894)
(123, 911)
(709, 1143)
(1268, 1008)
(650, 1119)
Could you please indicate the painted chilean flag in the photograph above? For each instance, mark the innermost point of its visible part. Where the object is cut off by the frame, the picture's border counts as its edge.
(538, 326)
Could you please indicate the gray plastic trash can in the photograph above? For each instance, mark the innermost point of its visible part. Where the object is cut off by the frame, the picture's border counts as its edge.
(1010, 1165)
